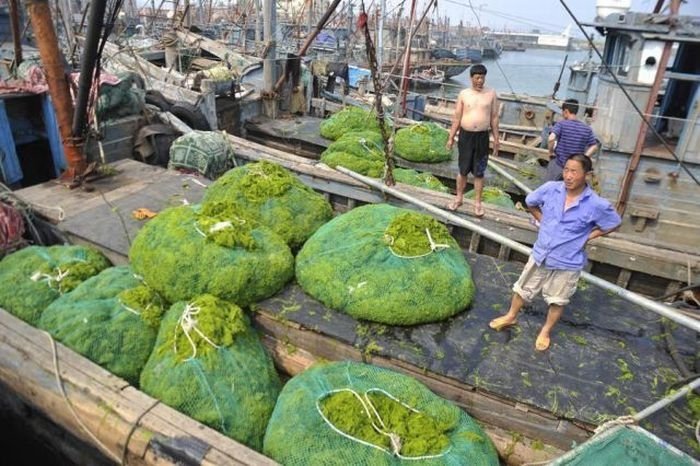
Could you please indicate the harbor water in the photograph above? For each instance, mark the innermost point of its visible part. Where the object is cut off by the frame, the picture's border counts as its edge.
(533, 72)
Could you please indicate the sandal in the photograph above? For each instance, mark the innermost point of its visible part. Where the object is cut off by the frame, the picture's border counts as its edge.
(454, 205)
(542, 343)
(501, 323)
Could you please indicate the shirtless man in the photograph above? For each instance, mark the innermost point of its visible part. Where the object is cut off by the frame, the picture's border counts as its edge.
(475, 112)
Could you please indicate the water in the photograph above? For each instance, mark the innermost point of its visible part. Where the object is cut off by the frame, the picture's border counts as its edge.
(532, 72)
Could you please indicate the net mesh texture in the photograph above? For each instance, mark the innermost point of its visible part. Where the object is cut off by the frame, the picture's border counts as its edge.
(208, 363)
(387, 265)
(319, 419)
(208, 153)
(423, 142)
(33, 277)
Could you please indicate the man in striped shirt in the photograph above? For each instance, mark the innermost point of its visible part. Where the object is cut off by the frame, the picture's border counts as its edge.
(568, 137)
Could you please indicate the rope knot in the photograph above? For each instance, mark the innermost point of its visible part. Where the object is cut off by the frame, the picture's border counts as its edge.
(188, 323)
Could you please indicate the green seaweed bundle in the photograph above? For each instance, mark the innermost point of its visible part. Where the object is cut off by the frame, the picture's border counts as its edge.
(493, 195)
(388, 265)
(209, 364)
(351, 413)
(209, 153)
(362, 165)
(111, 319)
(273, 197)
(347, 120)
(180, 257)
(33, 277)
(422, 142)
(419, 179)
(365, 144)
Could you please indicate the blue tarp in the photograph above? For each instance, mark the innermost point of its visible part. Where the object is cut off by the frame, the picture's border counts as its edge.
(355, 74)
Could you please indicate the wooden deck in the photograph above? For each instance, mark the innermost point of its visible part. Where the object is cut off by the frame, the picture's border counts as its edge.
(607, 357)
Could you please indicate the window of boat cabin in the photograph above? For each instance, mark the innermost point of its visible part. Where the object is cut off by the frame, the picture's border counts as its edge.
(617, 54)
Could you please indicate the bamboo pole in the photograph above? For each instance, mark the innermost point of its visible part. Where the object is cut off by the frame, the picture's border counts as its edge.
(51, 58)
(658, 308)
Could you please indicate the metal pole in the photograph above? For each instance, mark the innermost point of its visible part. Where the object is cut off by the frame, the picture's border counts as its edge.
(16, 32)
(523, 187)
(380, 36)
(51, 58)
(87, 65)
(663, 310)
(641, 136)
(662, 403)
(403, 89)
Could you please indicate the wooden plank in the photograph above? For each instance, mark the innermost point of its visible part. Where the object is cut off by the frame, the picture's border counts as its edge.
(623, 278)
(104, 403)
(474, 242)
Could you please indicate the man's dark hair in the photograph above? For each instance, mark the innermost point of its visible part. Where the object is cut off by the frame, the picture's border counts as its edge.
(584, 161)
(571, 105)
(477, 69)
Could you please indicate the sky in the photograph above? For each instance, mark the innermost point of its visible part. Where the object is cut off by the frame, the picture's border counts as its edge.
(524, 15)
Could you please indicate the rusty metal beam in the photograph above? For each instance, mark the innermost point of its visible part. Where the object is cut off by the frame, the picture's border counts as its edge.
(16, 33)
(633, 163)
(51, 58)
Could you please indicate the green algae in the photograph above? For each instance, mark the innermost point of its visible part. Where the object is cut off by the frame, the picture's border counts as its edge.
(146, 301)
(423, 142)
(493, 195)
(407, 234)
(349, 119)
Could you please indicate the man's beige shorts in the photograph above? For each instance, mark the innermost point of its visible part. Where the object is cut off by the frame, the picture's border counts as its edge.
(557, 286)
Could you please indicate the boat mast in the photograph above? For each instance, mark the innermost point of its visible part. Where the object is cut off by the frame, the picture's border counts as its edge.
(16, 33)
(403, 90)
(47, 42)
(651, 102)
(380, 35)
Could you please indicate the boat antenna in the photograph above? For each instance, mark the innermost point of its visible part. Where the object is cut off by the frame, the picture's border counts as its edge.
(561, 72)
(646, 121)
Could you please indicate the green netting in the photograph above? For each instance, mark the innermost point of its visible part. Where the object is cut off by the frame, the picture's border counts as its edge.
(377, 262)
(347, 120)
(275, 198)
(111, 319)
(209, 364)
(420, 179)
(119, 100)
(493, 195)
(209, 153)
(364, 166)
(365, 144)
(326, 415)
(625, 446)
(33, 277)
(422, 142)
(180, 260)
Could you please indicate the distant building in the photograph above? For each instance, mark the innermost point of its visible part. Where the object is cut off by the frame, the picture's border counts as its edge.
(535, 39)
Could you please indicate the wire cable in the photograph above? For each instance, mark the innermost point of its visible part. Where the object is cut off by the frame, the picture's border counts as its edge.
(624, 91)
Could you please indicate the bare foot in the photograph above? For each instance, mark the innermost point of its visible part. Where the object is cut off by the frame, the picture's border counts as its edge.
(479, 210)
(454, 205)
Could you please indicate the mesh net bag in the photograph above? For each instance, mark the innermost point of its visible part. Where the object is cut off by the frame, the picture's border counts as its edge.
(119, 100)
(350, 413)
(364, 166)
(209, 364)
(365, 144)
(420, 179)
(493, 195)
(422, 142)
(209, 153)
(275, 198)
(33, 277)
(111, 319)
(348, 120)
(187, 251)
(388, 265)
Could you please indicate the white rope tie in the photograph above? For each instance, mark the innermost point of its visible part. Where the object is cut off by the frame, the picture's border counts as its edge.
(188, 323)
(394, 438)
(49, 279)
(620, 421)
(433, 247)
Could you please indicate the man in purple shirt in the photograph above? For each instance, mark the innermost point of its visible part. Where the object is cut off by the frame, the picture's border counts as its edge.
(568, 137)
(570, 214)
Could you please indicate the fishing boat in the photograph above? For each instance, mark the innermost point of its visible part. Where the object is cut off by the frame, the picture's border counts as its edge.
(427, 78)
(603, 367)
